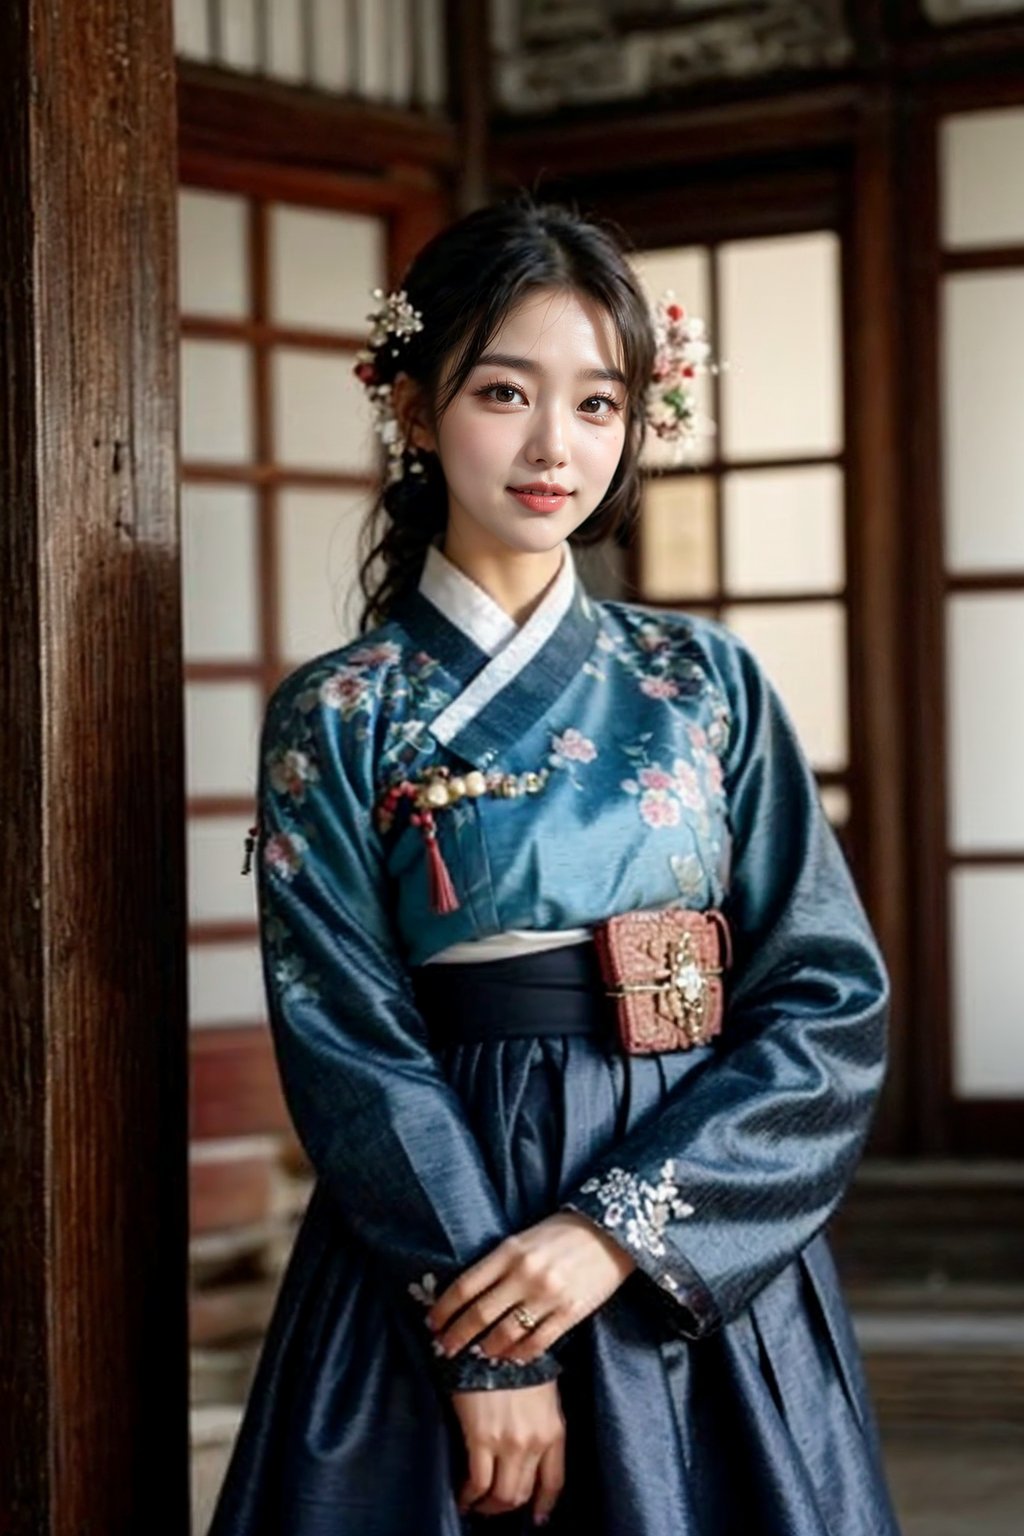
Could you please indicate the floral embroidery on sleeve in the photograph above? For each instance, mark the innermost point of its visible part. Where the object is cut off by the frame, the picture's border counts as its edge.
(641, 1209)
(289, 770)
(350, 681)
(297, 981)
(284, 854)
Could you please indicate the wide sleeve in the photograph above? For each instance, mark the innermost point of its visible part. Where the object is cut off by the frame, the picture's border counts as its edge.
(381, 1126)
(750, 1154)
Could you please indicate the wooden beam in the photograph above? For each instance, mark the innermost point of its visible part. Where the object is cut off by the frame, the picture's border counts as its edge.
(236, 117)
(93, 1062)
(609, 141)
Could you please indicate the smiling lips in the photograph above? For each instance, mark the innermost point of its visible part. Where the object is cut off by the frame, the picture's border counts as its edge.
(541, 488)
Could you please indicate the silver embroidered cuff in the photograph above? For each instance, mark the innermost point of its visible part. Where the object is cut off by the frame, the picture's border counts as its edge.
(636, 1212)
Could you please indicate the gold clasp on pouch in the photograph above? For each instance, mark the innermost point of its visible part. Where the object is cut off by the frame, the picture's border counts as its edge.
(683, 989)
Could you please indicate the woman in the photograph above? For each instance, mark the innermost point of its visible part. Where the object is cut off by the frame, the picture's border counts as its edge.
(543, 1278)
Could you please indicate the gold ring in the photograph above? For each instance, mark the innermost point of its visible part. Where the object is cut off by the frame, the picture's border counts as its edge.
(524, 1318)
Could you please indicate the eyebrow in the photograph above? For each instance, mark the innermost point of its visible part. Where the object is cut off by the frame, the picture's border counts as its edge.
(527, 365)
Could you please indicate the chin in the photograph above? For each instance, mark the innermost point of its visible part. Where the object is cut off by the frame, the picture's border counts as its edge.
(542, 534)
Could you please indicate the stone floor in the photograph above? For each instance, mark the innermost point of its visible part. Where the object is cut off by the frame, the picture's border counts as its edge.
(955, 1482)
(946, 1481)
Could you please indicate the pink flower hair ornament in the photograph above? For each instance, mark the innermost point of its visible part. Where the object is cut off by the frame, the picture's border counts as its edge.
(682, 353)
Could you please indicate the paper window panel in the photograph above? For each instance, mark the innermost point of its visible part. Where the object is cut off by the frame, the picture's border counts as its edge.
(985, 720)
(981, 156)
(379, 50)
(218, 538)
(287, 57)
(216, 402)
(324, 267)
(222, 727)
(225, 984)
(217, 890)
(677, 551)
(332, 65)
(432, 32)
(378, 22)
(398, 54)
(239, 46)
(780, 345)
(322, 417)
(987, 912)
(213, 266)
(192, 28)
(318, 599)
(684, 268)
(783, 530)
(983, 387)
(835, 800)
(802, 647)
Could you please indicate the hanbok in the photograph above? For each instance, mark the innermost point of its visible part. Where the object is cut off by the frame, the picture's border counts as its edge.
(451, 1075)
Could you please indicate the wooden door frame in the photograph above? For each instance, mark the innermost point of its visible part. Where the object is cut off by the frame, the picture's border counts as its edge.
(991, 1127)
(93, 1357)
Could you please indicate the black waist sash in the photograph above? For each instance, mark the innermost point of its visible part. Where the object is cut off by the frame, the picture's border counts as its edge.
(549, 992)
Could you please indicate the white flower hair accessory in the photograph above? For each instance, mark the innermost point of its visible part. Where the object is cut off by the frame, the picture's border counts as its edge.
(681, 353)
(395, 320)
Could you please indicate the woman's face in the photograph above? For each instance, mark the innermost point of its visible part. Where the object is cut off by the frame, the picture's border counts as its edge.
(550, 406)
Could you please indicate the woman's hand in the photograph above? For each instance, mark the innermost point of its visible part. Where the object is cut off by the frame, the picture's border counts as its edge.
(515, 1448)
(559, 1270)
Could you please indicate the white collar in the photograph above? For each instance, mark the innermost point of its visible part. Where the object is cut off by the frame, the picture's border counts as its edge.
(465, 604)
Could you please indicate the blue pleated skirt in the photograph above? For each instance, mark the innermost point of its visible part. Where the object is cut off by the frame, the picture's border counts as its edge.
(762, 1428)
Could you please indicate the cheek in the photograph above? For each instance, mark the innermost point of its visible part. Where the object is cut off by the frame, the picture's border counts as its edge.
(604, 449)
(474, 444)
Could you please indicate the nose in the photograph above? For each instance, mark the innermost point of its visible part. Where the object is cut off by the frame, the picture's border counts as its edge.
(548, 441)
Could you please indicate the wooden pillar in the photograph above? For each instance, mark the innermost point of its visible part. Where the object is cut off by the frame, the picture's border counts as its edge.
(469, 98)
(93, 1102)
(877, 567)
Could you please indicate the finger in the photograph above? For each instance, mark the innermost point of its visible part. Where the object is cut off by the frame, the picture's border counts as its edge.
(489, 1311)
(550, 1479)
(509, 1339)
(478, 1277)
(549, 1330)
(528, 1346)
(479, 1475)
(514, 1478)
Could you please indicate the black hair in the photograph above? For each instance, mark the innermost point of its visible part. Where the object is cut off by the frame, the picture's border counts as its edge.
(464, 281)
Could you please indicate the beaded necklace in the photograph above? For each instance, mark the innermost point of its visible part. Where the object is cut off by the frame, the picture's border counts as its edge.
(438, 788)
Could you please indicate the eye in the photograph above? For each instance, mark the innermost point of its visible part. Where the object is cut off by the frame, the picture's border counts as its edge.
(609, 400)
(488, 391)
(505, 384)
